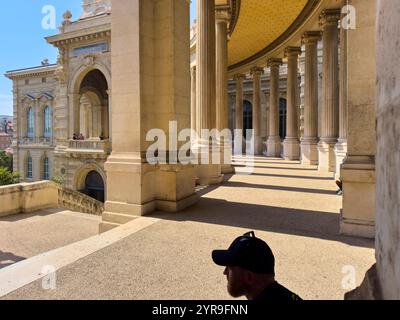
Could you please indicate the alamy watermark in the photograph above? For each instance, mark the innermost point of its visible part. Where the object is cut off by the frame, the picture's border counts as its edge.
(209, 147)
(49, 281)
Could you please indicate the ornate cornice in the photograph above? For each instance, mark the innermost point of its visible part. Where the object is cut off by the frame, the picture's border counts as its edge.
(311, 37)
(77, 39)
(292, 52)
(235, 11)
(222, 13)
(257, 71)
(274, 62)
(239, 77)
(330, 17)
(31, 73)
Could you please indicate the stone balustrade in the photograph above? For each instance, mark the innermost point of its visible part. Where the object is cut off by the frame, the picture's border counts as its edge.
(32, 141)
(90, 146)
(27, 197)
(76, 201)
(30, 197)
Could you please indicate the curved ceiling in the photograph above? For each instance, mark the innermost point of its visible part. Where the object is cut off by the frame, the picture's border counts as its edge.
(260, 23)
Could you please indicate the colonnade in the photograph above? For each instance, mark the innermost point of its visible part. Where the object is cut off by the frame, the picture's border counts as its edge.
(327, 149)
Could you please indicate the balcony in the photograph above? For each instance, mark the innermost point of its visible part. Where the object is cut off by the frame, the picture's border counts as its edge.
(35, 141)
(89, 148)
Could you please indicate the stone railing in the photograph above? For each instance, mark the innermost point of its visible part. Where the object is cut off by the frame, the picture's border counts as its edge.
(27, 197)
(31, 141)
(89, 146)
(76, 201)
(30, 197)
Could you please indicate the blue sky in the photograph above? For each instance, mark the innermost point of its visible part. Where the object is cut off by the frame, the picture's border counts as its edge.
(22, 34)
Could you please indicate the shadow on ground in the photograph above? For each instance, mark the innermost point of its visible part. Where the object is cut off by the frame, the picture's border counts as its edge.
(314, 224)
(8, 258)
(23, 216)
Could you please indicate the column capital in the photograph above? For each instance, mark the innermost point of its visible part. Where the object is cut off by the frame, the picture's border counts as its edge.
(329, 17)
(257, 71)
(239, 77)
(292, 52)
(222, 13)
(310, 37)
(274, 62)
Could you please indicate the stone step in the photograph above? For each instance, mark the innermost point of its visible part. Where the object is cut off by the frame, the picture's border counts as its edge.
(107, 226)
(117, 218)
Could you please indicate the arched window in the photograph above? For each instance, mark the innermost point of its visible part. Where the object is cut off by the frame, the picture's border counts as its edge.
(47, 122)
(29, 168)
(46, 171)
(247, 117)
(282, 117)
(30, 123)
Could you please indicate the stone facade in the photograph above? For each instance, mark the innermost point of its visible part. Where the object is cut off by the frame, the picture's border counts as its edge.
(77, 89)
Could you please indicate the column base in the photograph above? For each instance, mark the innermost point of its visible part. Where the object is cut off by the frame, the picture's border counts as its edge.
(309, 152)
(210, 175)
(274, 147)
(227, 169)
(135, 189)
(358, 214)
(291, 149)
(340, 154)
(326, 156)
(258, 146)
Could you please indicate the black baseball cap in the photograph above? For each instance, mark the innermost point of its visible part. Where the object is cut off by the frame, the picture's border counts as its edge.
(247, 252)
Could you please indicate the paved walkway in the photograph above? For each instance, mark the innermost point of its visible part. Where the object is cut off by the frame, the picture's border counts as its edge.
(293, 207)
(27, 235)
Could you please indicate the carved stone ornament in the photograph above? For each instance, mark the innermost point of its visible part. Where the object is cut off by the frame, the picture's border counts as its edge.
(89, 60)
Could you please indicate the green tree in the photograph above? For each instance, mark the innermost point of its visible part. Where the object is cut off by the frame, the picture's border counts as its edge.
(7, 177)
(6, 161)
(60, 180)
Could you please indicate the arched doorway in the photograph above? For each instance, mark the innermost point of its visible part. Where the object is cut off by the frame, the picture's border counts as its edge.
(282, 117)
(94, 186)
(93, 111)
(247, 117)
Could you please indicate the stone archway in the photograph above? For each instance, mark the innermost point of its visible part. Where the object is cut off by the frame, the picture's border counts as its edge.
(247, 116)
(91, 180)
(94, 186)
(91, 102)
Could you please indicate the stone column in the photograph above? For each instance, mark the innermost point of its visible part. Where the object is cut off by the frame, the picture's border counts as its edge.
(256, 73)
(37, 124)
(358, 169)
(193, 109)
(341, 146)
(74, 104)
(274, 140)
(148, 92)
(209, 172)
(309, 150)
(222, 20)
(238, 148)
(239, 101)
(330, 110)
(292, 145)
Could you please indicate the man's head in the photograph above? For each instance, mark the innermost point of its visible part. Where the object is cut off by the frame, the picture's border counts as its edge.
(249, 264)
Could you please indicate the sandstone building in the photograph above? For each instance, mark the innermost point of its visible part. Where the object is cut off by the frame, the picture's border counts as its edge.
(302, 74)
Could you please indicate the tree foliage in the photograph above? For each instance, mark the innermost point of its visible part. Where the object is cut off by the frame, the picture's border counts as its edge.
(6, 161)
(7, 177)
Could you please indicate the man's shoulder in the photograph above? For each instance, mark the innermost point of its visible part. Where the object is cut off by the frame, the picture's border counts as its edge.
(277, 292)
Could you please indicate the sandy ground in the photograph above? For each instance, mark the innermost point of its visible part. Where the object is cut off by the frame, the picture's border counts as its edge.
(292, 207)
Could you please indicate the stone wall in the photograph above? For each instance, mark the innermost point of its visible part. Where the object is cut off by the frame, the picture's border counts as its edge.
(30, 197)
(27, 197)
(76, 201)
(388, 156)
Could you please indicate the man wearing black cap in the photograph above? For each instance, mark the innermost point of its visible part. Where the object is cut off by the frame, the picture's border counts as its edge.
(250, 270)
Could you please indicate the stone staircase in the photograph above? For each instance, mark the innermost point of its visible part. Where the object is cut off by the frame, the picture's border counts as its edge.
(78, 202)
